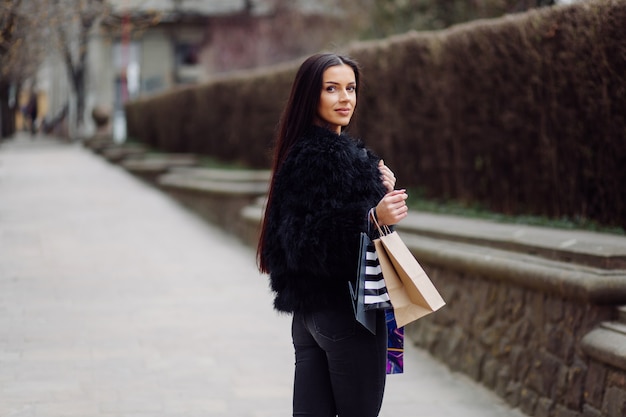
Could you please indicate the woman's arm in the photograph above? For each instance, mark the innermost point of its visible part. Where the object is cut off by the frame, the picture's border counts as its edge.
(323, 204)
(386, 176)
(392, 208)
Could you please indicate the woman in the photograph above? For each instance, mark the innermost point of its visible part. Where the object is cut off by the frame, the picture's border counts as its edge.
(324, 184)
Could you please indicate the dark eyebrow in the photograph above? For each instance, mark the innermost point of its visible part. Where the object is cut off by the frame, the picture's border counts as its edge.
(336, 83)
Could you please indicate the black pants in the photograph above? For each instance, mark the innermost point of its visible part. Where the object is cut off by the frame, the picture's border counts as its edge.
(340, 365)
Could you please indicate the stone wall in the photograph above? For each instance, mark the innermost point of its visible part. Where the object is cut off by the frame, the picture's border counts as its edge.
(522, 343)
(605, 385)
(217, 195)
(543, 334)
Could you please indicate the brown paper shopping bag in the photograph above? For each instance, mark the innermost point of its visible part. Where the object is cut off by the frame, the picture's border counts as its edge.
(411, 292)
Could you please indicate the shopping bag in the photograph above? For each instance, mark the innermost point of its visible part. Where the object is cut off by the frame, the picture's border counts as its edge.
(411, 292)
(357, 289)
(395, 345)
(375, 295)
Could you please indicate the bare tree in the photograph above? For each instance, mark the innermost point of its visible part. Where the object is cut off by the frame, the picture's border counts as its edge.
(28, 28)
(8, 25)
(73, 21)
(21, 51)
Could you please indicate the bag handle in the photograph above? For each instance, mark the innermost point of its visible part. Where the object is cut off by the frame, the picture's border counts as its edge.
(384, 231)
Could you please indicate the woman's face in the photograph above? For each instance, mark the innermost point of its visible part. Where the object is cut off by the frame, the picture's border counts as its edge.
(338, 97)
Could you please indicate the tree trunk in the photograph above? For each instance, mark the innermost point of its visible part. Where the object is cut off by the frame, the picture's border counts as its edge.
(79, 89)
(76, 72)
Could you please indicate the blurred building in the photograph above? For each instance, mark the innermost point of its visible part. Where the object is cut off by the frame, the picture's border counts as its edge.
(145, 47)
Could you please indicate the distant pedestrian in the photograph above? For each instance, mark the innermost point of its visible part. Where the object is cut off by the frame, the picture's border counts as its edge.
(324, 184)
(32, 111)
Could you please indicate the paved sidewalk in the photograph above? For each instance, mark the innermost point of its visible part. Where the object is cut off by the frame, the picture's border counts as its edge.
(116, 301)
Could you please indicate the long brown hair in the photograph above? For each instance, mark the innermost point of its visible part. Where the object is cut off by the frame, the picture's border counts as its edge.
(297, 116)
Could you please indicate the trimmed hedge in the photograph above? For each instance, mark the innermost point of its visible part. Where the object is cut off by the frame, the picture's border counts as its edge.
(524, 114)
(232, 119)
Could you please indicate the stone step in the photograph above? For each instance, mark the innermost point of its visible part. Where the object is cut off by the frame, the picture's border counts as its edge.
(607, 344)
(615, 327)
(229, 175)
(118, 153)
(219, 181)
(622, 314)
(579, 247)
(151, 166)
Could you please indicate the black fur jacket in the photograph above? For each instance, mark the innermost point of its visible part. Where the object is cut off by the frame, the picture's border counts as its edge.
(322, 194)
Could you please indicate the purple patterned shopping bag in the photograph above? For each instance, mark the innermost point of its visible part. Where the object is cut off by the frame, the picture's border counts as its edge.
(395, 345)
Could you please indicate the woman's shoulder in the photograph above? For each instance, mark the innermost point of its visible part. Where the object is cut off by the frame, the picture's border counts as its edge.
(319, 150)
(319, 140)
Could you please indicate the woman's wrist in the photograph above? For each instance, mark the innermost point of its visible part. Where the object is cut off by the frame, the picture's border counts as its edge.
(371, 215)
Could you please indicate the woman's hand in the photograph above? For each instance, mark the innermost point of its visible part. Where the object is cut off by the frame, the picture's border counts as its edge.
(386, 175)
(392, 207)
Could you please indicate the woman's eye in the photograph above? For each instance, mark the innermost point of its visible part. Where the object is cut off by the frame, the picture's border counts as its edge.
(351, 88)
(330, 89)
